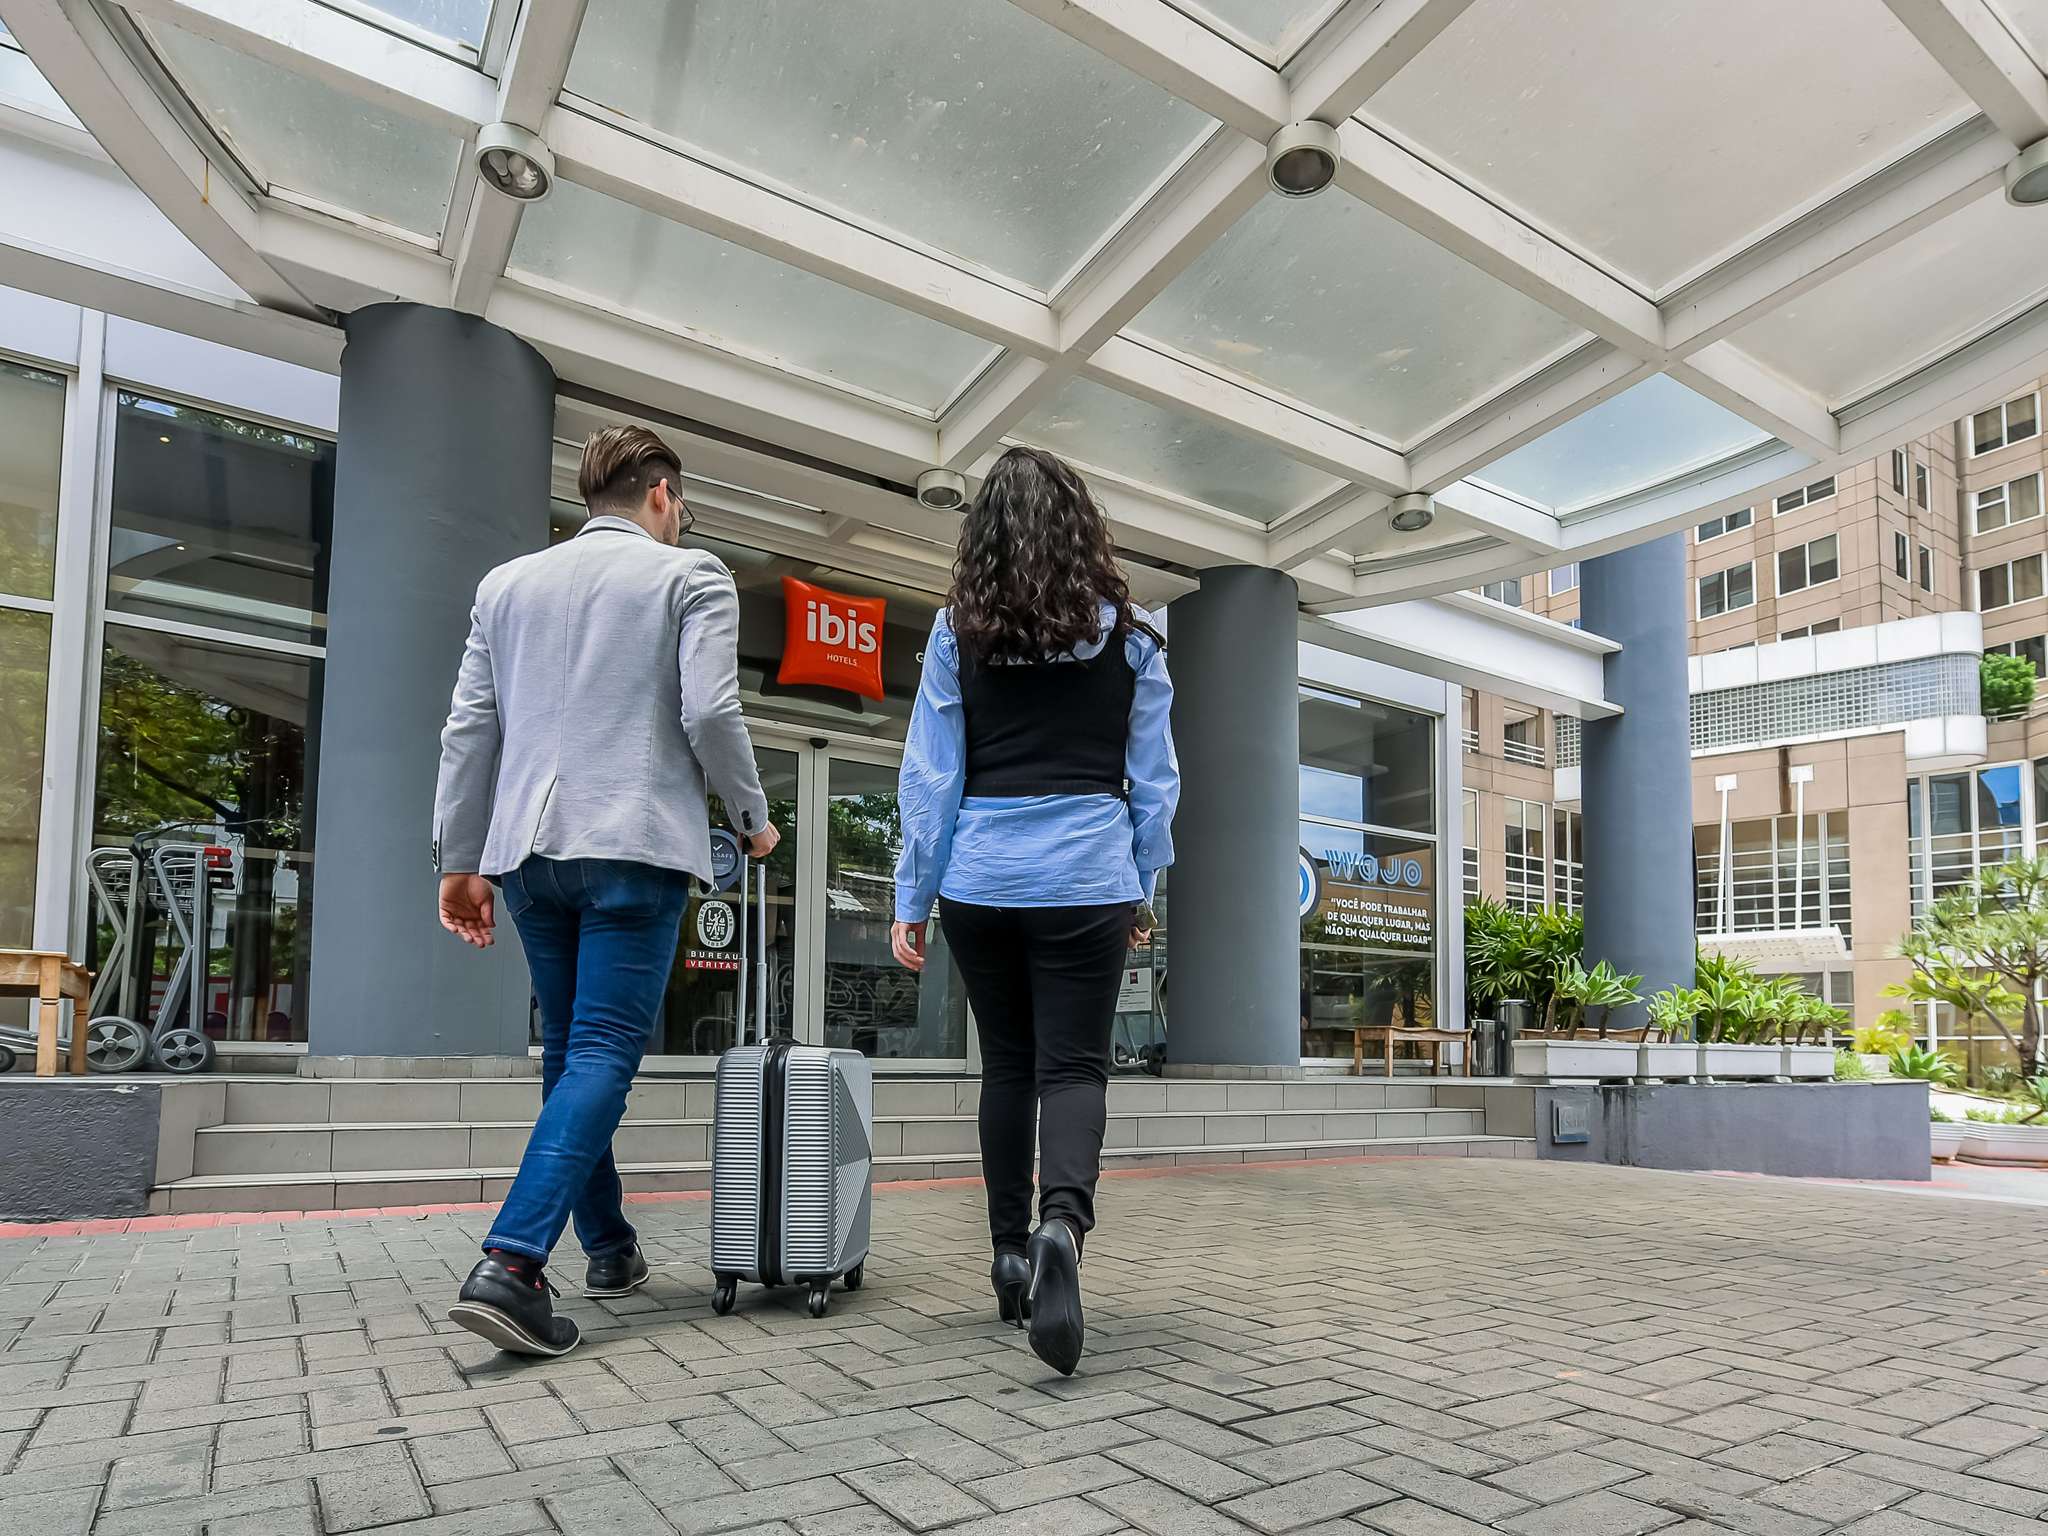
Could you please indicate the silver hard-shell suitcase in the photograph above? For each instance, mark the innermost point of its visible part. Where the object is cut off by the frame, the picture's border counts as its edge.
(792, 1151)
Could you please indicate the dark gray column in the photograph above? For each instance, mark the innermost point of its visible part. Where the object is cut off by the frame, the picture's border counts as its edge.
(447, 427)
(1636, 777)
(1234, 939)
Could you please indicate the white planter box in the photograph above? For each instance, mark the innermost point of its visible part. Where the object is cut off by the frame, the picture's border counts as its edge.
(1574, 1058)
(1945, 1141)
(1740, 1060)
(1680, 1059)
(2004, 1143)
(1807, 1061)
(1876, 1066)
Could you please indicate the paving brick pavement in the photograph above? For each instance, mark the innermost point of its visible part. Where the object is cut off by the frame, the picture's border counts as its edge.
(1397, 1348)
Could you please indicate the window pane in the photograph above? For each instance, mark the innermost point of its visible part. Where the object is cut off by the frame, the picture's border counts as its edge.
(219, 521)
(213, 740)
(460, 21)
(1991, 509)
(1792, 569)
(1711, 588)
(2024, 498)
(2020, 422)
(292, 131)
(1822, 561)
(1367, 942)
(1741, 517)
(24, 683)
(1742, 586)
(31, 447)
(1948, 799)
(1366, 761)
(1920, 484)
(2026, 578)
(1985, 430)
(1998, 796)
(1900, 556)
(1993, 590)
(1820, 490)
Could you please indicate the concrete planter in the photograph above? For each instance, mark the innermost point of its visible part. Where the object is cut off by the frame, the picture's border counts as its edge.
(1945, 1141)
(1574, 1058)
(1876, 1065)
(1740, 1060)
(1806, 1061)
(1670, 1059)
(2003, 1143)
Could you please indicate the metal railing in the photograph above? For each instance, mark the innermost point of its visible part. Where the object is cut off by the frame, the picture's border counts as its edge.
(1766, 896)
(1471, 739)
(1530, 752)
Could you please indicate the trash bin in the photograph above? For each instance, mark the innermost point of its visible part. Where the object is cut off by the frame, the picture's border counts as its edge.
(1484, 1047)
(1512, 1017)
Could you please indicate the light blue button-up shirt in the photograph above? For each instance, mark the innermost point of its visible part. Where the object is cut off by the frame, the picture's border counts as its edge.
(1032, 850)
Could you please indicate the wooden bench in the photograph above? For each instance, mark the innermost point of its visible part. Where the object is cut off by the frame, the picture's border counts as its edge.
(49, 978)
(1435, 1039)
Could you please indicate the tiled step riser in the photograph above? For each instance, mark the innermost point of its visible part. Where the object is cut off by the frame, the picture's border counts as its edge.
(415, 1187)
(343, 1101)
(315, 1149)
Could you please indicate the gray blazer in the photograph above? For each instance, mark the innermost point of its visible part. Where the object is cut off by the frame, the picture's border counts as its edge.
(599, 692)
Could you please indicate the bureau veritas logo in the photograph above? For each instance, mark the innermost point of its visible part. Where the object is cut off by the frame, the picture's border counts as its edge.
(831, 639)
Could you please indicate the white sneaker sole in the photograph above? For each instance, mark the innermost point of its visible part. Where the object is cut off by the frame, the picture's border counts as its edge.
(487, 1322)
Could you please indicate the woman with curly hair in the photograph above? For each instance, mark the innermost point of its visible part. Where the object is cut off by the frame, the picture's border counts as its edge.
(1037, 798)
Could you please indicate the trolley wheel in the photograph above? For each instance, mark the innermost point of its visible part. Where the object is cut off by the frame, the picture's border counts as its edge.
(184, 1050)
(723, 1298)
(855, 1275)
(115, 1044)
(821, 1298)
(6, 1057)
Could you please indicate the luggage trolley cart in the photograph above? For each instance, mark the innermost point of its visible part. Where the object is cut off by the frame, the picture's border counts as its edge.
(114, 1042)
(176, 879)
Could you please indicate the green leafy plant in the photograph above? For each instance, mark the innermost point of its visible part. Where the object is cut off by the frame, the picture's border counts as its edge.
(1671, 1012)
(1937, 1117)
(2033, 1099)
(1893, 1028)
(1916, 1061)
(2005, 684)
(1983, 949)
(1984, 1116)
(1581, 991)
(1724, 998)
(1851, 1068)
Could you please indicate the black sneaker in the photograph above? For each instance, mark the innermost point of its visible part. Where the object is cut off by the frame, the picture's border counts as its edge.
(616, 1274)
(505, 1300)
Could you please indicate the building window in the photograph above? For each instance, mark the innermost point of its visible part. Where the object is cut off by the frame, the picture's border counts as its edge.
(1806, 496)
(2034, 648)
(1902, 557)
(31, 451)
(1508, 591)
(1926, 569)
(1783, 873)
(1368, 823)
(1825, 627)
(1568, 869)
(1526, 826)
(1471, 798)
(2017, 501)
(1808, 565)
(1565, 578)
(1726, 591)
(2014, 581)
(2013, 422)
(1727, 522)
(1959, 824)
(1920, 484)
(1899, 470)
(1468, 709)
(1521, 741)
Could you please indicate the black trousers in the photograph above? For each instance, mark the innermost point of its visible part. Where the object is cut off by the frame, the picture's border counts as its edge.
(1043, 984)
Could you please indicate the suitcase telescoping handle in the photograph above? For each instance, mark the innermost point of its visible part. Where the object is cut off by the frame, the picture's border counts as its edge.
(760, 947)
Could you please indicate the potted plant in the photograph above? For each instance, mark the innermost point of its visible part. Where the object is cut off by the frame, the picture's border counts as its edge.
(1576, 1045)
(1801, 1058)
(1730, 1019)
(1944, 1137)
(1873, 1042)
(1677, 1054)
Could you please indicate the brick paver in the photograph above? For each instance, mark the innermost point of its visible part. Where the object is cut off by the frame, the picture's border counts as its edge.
(1394, 1348)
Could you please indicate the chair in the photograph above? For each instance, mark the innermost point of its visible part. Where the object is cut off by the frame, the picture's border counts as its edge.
(50, 977)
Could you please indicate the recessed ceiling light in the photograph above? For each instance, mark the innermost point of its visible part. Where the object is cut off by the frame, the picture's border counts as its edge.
(941, 490)
(2026, 176)
(1413, 512)
(1301, 159)
(514, 162)
(164, 439)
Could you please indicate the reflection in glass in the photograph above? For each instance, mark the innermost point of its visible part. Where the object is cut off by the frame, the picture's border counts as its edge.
(24, 683)
(1365, 761)
(871, 1003)
(460, 21)
(31, 446)
(1368, 943)
(219, 521)
(221, 743)
(701, 1011)
(1139, 1037)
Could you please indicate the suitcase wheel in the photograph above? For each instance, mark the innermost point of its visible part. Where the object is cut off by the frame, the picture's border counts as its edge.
(723, 1298)
(854, 1276)
(821, 1297)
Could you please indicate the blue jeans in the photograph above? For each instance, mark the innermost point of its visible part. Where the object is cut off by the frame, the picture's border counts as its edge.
(600, 936)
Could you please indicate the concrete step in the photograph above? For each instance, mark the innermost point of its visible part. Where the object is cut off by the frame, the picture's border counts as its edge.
(385, 1101)
(371, 1147)
(359, 1189)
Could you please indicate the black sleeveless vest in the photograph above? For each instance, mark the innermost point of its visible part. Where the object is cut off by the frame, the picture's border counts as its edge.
(1048, 727)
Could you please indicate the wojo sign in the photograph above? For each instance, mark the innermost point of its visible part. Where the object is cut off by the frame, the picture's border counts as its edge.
(831, 639)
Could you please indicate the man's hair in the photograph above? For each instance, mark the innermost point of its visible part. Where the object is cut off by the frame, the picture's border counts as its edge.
(621, 465)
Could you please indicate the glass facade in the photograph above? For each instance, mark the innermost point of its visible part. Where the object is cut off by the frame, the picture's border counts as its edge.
(31, 448)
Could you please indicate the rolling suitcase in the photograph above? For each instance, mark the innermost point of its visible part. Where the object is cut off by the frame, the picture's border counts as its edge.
(791, 1150)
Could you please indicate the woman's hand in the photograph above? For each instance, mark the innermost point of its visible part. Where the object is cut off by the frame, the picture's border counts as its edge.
(908, 941)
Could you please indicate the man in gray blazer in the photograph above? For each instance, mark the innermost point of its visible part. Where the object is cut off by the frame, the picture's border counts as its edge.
(597, 703)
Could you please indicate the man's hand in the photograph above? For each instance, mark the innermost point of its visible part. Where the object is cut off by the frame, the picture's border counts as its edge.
(467, 908)
(908, 941)
(762, 843)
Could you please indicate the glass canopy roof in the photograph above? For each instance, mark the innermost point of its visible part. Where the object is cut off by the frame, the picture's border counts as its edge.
(1583, 272)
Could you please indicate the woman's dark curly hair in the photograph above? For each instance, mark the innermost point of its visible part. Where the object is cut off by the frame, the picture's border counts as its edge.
(1036, 563)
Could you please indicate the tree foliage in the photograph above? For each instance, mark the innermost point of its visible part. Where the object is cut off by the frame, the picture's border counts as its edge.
(1983, 949)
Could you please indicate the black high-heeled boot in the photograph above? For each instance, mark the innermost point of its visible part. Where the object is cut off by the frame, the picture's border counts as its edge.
(1055, 1295)
(1010, 1275)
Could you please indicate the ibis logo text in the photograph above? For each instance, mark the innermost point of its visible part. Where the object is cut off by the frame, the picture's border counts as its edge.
(831, 639)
